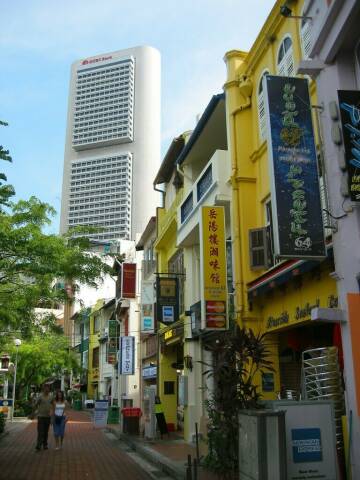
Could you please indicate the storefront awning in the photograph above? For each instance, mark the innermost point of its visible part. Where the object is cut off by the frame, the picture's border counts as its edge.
(281, 274)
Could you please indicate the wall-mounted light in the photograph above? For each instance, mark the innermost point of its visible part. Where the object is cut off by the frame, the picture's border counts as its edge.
(188, 362)
(285, 11)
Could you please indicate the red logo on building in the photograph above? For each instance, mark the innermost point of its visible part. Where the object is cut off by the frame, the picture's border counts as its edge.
(95, 60)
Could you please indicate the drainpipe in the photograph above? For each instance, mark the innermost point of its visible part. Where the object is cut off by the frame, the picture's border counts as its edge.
(162, 195)
(245, 86)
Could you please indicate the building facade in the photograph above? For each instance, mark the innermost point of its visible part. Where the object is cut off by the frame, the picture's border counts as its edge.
(112, 144)
(283, 297)
(334, 63)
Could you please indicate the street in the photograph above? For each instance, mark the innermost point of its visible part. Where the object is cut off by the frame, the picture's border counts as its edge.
(87, 454)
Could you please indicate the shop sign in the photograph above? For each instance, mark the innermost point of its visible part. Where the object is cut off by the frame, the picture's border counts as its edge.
(169, 334)
(149, 372)
(147, 307)
(213, 268)
(349, 101)
(268, 382)
(306, 445)
(167, 299)
(128, 280)
(127, 356)
(295, 193)
(112, 343)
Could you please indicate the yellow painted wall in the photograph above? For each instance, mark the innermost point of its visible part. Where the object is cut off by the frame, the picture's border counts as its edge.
(93, 343)
(168, 374)
(249, 156)
(250, 179)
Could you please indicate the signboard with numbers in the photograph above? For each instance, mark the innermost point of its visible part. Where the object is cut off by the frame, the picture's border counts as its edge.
(213, 268)
(295, 192)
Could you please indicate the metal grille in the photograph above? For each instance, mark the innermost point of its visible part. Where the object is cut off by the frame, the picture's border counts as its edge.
(322, 381)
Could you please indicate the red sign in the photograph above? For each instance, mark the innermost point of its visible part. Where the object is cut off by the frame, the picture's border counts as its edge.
(95, 60)
(128, 280)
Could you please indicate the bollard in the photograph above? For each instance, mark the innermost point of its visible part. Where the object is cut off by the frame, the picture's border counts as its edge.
(195, 469)
(188, 468)
(197, 443)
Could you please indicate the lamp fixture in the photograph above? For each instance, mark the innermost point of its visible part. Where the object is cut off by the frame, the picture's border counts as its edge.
(188, 362)
(286, 12)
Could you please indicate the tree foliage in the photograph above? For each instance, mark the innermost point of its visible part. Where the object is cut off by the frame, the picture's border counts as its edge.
(33, 261)
(239, 357)
(46, 355)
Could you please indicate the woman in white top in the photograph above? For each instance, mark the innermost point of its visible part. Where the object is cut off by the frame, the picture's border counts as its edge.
(59, 418)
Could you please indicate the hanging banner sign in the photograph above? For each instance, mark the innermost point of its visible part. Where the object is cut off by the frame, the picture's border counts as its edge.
(167, 299)
(127, 356)
(295, 194)
(349, 101)
(213, 268)
(147, 307)
(128, 280)
(112, 344)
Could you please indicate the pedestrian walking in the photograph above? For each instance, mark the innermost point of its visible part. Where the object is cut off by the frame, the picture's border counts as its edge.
(43, 412)
(59, 418)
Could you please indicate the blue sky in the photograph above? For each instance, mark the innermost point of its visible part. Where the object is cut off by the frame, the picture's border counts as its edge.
(40, 39)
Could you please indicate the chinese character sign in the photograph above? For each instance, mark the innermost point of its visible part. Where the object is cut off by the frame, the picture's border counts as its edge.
(127, 356)
(350, 119)
(295, 193)
(213, 269)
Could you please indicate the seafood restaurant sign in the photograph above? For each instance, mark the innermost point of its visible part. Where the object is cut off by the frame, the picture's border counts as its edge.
(295, 194)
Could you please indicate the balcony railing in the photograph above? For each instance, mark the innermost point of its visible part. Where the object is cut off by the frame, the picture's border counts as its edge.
(216, 172)
(168, 214)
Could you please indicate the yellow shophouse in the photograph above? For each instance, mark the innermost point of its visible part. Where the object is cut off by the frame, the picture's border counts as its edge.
(282, 297)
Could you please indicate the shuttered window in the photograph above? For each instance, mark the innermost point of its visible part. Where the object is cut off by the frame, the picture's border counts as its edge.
(305, 35)
(285, 63)
(258, 244)
(261, 108)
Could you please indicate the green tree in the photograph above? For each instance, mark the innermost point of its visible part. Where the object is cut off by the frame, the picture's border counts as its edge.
(32, 261)
(42, 357)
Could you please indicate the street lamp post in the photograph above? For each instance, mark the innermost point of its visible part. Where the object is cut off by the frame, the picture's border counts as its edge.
(17, 345)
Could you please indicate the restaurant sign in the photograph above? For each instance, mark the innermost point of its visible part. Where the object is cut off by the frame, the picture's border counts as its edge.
(349, 101)
(213, 268)
(295, 193)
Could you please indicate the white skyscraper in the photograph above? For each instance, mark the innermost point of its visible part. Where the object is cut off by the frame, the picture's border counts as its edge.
(112, 149)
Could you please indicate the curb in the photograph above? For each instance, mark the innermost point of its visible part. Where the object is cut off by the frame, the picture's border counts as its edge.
(157, 459)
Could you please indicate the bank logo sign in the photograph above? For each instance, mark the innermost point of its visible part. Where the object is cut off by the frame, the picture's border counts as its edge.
(306, 445)
(295, 192)
(350, 119)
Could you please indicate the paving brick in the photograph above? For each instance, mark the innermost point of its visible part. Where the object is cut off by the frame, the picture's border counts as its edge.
(87, 454)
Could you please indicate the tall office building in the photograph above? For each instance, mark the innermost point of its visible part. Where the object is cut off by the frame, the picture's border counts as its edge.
(112, 149)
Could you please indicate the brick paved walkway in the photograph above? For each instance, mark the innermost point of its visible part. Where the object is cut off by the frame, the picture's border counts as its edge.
(87, 454)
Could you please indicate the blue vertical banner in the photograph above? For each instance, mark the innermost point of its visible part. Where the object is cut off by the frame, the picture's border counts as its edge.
(295, 193)
(349, 101)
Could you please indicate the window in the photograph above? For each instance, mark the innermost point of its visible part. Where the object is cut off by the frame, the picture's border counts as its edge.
(261, 107)
(285, 62)
(169, 388)
(95, 358)
(305, 35)
(96, 323)
(176, 265)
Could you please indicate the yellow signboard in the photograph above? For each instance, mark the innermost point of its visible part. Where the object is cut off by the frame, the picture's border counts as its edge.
(213, 269)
